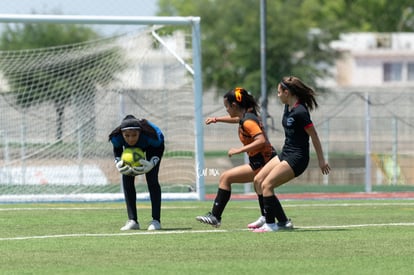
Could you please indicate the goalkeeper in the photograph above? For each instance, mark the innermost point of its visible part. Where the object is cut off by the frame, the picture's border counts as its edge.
(143, 134)
(243, 109)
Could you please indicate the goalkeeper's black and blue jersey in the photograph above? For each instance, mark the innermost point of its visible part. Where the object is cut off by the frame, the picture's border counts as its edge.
(144, 140)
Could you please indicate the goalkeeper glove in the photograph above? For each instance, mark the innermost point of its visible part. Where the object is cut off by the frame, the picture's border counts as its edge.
(123, 169)
(137, 170)
(146, 165)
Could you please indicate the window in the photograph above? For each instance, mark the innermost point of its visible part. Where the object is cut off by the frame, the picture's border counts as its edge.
(392, 72)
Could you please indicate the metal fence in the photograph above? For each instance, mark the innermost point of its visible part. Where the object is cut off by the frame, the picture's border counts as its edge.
(366, 134)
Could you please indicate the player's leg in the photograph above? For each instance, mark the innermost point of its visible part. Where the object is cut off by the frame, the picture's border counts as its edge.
(154, 187)
(130, 196)
(280, 174)
(264, 171)
(239, 174)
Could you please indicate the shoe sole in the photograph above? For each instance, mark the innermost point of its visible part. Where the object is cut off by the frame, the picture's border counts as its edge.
(205, 222)
(126, 229)
(262, 231)
(253, 226)
(213, 225)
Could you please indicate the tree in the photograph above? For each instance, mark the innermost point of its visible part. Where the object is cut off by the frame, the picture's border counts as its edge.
(231, 42)
(298, 35)
(60, 78)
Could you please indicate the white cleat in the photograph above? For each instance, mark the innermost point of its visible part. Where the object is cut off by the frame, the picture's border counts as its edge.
(154, 225)
(267, 227)
(258, 223)
(130, 225)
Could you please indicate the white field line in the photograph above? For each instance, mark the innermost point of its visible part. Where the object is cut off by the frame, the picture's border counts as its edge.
(340, 204)
(160, 232)
(196, 231)
(408, 203)
(171, 232)
(357, 225)
(88, 208)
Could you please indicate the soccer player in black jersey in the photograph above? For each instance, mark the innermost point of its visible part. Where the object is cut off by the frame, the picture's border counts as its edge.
(299, 100)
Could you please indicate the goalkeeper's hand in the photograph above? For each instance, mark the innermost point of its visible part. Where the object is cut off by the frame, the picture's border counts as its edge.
(138, 170)
(123, 169)
(146, 165)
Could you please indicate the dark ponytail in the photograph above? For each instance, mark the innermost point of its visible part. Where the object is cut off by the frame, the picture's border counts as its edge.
(304, 93)
(244, 99)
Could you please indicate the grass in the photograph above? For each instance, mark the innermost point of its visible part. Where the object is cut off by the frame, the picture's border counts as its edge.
(331, 237)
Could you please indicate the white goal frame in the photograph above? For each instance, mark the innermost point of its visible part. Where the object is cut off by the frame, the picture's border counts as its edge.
(194, 22)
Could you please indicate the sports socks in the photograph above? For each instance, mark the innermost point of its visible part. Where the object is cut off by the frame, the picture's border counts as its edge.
(272, 209)
(260, 199)
(269, 208)
(222, 197)
(280, 213)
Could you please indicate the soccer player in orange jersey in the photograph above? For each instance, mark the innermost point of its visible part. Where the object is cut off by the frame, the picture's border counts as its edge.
(243, 109)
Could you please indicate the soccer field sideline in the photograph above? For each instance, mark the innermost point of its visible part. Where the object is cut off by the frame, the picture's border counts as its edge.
(189, 231)
(327, 195)
(144, 196)
(147, 206)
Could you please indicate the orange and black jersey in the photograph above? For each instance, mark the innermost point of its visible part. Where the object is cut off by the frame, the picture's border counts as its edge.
(250, 127)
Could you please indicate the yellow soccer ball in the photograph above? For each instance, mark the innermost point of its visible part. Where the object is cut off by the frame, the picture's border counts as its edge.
(131, 156)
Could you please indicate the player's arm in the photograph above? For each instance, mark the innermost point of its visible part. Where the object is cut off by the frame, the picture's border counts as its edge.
(119, 163)
(225, 119)
(318, 149)
(259, 140)
(117, 152)
(258, 143)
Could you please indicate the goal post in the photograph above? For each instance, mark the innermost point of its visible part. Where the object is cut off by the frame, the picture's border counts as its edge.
(81, 156)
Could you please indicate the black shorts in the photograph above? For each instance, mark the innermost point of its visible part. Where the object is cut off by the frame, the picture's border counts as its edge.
(297, 161)
(258, 161)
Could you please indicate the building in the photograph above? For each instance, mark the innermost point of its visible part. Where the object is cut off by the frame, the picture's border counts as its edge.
(375, 59)
(373, 83)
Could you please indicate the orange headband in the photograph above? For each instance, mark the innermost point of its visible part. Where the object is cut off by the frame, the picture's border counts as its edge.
(238, 94)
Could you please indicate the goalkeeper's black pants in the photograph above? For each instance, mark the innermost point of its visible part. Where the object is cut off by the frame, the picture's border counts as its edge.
(154, 189)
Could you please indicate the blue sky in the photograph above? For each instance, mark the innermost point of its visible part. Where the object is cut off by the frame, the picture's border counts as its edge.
(82, 7)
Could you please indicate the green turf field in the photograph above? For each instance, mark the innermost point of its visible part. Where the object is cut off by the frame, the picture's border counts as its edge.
(331, 237)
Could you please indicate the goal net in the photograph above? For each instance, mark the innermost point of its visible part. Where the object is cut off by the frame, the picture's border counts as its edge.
(59, 104)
